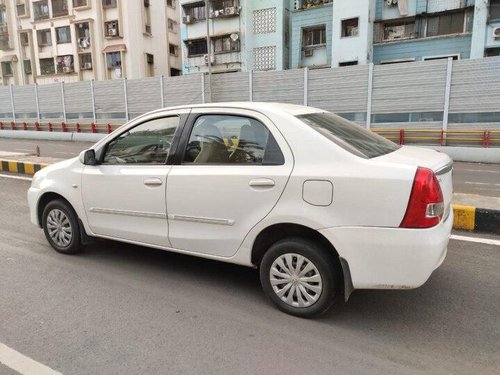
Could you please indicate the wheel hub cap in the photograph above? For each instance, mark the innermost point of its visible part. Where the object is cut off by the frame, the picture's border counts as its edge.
(295, 280)
(59, 228)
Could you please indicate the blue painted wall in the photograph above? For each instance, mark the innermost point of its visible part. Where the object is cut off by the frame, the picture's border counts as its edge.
(419, 48)
(306, 18)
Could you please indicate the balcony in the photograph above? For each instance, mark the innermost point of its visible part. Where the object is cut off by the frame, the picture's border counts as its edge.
(217, 59)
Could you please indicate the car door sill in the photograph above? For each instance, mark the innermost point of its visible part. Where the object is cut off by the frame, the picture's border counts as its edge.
(205, 220)
(110, 211)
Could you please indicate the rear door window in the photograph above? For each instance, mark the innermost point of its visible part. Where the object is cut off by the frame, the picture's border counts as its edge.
(348, 135)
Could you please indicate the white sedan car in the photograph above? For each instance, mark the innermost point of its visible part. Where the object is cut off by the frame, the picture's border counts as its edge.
(320, 205)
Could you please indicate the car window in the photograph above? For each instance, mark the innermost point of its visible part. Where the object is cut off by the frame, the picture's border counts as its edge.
(226, 139)
(348, 135)
(147, 143)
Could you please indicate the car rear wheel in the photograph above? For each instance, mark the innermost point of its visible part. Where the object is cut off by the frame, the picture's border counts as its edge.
(60, 225)
(299, 277)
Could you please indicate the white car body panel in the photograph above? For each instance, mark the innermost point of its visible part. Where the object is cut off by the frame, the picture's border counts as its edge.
(211, 211)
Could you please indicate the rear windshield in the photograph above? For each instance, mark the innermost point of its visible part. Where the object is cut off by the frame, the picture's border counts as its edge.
(348, 135)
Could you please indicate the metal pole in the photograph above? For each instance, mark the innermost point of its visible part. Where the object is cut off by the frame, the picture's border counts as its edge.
(209, 54)
(12, 102)
(162, 92)
(369, 99)
(93, 100)
(203, 88)
(63, 102)
(250, 85)
(125, 96)
(38, 117)
(306, 80)
(447, 93)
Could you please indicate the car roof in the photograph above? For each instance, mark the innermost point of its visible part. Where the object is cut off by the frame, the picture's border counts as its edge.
(293, 109)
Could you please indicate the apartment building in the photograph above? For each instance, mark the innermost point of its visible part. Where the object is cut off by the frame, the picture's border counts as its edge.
(47, 41)
(244, 35)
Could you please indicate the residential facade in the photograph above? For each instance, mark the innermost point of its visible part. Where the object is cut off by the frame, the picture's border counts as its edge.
(47, 41)
(276, 35)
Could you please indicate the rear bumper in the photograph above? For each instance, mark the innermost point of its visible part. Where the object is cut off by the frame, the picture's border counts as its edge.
(391, 258)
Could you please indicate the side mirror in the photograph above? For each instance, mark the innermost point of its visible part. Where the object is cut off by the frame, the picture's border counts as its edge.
(87, 157)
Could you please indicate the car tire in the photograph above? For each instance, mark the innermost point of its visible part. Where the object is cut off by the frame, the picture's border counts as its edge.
(309, 293)
(60, 225)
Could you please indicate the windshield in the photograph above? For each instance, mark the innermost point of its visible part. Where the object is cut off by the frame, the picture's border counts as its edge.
(348, 135)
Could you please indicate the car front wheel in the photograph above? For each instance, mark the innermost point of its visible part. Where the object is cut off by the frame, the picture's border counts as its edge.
(60, 225)
(299, 277)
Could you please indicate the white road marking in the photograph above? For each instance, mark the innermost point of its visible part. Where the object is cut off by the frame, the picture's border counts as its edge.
(477, 170)
(24, 149)
(480, 183)
(486, 241)
(16, 177)
(22, 364)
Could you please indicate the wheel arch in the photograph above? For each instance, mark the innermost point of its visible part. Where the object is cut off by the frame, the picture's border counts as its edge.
(276, 232)
(45, 199)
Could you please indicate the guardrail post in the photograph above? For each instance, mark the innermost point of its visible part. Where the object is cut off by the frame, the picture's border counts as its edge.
(25, 125)
(78, 128)
(203, 88)
(13, 125)
(51, 127)
(125, 96)
(401, 136)
(250, 85)
(93, 100)
(37, 103)
(441, 138)
(162, 91)
(37, 126)
(486, 138)
(93, 128)
(1, 125)
(109, 128)
(447, 93)
(306, 85)
(64, 127)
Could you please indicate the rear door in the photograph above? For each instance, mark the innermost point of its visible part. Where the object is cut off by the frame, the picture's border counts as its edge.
(233, 167)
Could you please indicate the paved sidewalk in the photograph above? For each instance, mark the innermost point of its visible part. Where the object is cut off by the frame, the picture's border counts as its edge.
(472, 212)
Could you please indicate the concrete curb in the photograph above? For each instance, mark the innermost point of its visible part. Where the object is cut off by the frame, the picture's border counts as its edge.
(21, 167)
(476, 219)
(465, 217)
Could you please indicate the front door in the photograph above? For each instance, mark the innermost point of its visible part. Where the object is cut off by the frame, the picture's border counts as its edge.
(124, 196)
(233, 171)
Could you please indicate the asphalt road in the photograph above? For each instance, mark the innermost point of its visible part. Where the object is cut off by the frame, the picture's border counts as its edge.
(469, 178)
(123, 309)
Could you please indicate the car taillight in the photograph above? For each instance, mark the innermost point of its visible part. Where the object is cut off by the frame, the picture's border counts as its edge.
(425, 207)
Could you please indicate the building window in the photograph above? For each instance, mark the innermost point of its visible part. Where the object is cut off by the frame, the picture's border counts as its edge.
(21, 9)
(445, 24)
(314, 36)
(489, 52)
(83, 34)
(264, 21)
(172, 25)
(220, 7)
(494, 9)
(79, 3)
(44, 37)
(47, 66)
(264, 58)
(171, 3)
(59, 8)
(27, 67)
(7, 69)
(109, 3)
(226, 44)
(195, 11)
(63, 35)
(85, 61)
(175, 72)
(25, 41)
(350, 27)
(444, 57)
(41, 10)
(348, 63)
(150, 62)
(113, 60)
(399, 30)
(173, 49)
(197, 47)
(65, 64)
(111, 29)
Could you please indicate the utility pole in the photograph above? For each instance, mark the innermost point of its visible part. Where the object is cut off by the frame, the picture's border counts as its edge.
(209, 54)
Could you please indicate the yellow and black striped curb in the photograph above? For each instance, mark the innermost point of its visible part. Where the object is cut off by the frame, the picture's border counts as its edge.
(476, 219)
(22, 167)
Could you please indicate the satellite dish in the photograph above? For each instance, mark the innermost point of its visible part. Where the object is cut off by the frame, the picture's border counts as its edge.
(234, 37)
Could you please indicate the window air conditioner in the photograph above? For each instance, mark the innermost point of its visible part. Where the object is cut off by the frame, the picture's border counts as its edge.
(230, 11)
(496, 33)
(186, 20)
(67, 69)
(212, 59)
(87, 66)
(112, 32)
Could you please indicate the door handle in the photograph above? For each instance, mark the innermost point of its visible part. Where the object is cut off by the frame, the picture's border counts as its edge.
(261, 182)
(153, 181)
